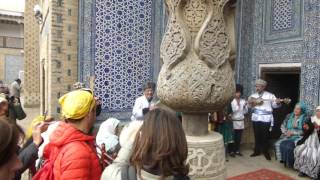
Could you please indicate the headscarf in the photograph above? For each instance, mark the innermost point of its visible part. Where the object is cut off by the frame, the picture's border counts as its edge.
(314, 118)
(76, 104)
(261, 82)
(302, 116)
(106, 133)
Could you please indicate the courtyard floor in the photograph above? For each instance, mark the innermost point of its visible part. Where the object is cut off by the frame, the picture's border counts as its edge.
(245, 164)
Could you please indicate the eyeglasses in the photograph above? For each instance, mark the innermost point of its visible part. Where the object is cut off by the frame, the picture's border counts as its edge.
(88, 90)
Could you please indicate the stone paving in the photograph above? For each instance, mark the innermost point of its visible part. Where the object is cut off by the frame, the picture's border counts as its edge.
(244, 164)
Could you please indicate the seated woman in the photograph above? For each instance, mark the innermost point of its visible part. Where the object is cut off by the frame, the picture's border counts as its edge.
(292, 131)
(107, 141)
(157, 151)
(307, 152)
(108, 134)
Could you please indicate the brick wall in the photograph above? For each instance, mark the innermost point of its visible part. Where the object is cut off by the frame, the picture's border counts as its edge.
(31, 56)
(59, 42)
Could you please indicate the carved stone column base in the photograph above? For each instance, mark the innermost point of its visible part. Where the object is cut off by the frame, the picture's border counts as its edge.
(206, 157)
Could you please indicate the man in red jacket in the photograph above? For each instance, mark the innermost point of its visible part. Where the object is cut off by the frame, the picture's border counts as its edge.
(71, 147)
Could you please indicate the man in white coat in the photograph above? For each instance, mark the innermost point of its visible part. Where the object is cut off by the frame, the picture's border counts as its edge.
(143, 103)
(15, 89)
(262, 104)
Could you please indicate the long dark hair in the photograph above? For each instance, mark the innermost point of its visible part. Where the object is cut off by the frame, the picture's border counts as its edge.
(9, 137)
(161, 148)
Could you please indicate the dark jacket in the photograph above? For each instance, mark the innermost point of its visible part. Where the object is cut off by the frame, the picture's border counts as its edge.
(306, 132)
(28, 155)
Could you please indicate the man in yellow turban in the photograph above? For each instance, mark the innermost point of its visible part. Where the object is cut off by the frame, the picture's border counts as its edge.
(70, 142)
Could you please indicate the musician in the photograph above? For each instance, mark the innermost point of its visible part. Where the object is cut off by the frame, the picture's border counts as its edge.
(262, 103)
(237, 114)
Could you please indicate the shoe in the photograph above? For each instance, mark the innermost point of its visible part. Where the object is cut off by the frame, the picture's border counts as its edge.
(267, 156)
(255, 154)
(238, 154)
(232, 154)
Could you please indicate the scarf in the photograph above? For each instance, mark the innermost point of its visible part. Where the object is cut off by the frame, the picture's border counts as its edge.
(106, 133)
(301, 119)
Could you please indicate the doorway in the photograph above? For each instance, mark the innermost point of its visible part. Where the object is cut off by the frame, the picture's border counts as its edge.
(284, 83)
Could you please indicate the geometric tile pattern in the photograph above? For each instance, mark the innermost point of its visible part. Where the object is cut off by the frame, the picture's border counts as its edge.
(122, 51)
(282, 16)
(283, 20)
(31, 78)
(300, 44)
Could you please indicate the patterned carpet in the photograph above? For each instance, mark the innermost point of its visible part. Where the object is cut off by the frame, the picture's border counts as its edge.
(262, 174)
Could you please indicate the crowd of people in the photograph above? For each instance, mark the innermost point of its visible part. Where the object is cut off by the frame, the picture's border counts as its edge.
(69, 148)
(152, 145)
(12, 94)
(298, 145)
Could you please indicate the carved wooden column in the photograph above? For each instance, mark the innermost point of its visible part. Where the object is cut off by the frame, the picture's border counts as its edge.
(196, 78)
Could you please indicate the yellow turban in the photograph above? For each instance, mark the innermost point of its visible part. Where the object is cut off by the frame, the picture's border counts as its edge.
(76, 104)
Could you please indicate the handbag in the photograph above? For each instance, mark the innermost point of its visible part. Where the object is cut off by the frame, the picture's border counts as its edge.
(19, 112)
(46, 171)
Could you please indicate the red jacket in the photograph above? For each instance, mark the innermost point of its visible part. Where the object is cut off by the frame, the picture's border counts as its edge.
(77, 158)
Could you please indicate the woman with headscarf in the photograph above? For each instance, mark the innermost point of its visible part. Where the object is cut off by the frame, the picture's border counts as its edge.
(71, 152)
(307, 152)
(108, 134)
(292, 131)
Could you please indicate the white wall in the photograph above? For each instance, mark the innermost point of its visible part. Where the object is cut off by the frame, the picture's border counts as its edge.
(12, 5)
(11, 30)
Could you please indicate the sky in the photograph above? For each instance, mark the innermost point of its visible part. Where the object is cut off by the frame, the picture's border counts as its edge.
(12, 5)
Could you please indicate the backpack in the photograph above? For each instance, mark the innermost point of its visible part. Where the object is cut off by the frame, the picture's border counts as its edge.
(46, 171)
(128, 173)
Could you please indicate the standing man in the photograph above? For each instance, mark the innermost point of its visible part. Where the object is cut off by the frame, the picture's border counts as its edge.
(262, 104)
(143, 103)
(15, 89)
(71, 153)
